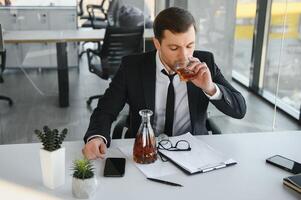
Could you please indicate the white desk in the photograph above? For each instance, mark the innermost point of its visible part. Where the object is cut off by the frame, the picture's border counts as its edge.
(60, 38)
(251, 178)
(48, 36)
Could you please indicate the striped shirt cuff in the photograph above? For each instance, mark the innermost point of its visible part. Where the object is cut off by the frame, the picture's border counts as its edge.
(97, 136)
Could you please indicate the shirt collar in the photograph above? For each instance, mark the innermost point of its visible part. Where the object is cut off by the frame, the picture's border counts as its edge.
(159, 64)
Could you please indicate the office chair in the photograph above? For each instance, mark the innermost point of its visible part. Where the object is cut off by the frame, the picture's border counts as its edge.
(80, 10)
(92, 21)
(81, 13)
(99, 17)
(111, 16)
(118, 42)
(2, 66)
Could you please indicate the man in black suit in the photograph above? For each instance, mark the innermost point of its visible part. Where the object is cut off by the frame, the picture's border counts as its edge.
(148, 81)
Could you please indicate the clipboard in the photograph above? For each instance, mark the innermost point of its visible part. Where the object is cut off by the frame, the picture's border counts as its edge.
(201, 159)
(201, 170)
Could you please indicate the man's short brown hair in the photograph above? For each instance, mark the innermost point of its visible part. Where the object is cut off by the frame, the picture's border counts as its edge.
(174, 19)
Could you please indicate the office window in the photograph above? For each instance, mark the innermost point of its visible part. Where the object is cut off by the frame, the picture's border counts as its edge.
(284, 56)
(244, 28)
(215, 22)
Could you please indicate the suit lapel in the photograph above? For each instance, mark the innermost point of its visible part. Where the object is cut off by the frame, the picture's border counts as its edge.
(149, 81)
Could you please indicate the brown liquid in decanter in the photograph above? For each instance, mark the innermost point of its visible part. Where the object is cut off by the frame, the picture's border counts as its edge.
(145, 150)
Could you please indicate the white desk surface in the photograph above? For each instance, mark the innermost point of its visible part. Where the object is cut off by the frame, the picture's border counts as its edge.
(250, 179)
(58, 36)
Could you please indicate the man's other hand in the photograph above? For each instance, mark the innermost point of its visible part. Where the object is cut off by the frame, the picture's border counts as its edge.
(94, 149)
(203, 78)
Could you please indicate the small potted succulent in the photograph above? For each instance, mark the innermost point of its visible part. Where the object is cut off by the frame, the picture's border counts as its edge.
(84, 182)
(52, 156)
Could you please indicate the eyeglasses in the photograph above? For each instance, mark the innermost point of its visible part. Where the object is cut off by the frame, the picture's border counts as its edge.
(165, 144)
(181, 145)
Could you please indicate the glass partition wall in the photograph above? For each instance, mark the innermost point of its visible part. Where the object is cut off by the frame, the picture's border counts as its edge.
(275, 60)
(34, 90)
(30, 77)
(282, 73)
(274, 69)
(256, 44)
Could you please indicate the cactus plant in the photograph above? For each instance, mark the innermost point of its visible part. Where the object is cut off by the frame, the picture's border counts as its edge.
(83, 169)
(51, 139)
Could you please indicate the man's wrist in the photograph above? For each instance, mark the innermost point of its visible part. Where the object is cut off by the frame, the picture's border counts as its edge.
(212, 90)
(216, 96)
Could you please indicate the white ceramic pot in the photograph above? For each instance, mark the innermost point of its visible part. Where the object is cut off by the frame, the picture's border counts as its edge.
(84, 188)
(53, 167)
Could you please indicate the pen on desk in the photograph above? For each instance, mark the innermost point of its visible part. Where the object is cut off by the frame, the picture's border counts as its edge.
(165, 182)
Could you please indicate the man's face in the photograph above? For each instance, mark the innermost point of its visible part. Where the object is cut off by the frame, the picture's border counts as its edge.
(175, 46)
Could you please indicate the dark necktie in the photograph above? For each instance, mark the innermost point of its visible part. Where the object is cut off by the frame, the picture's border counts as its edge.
(170, 105)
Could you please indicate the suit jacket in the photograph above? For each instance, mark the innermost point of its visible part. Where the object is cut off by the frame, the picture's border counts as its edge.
(134, 84)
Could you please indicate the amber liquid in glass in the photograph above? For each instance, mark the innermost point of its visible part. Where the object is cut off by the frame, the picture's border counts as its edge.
(145, 150)
(185, 74)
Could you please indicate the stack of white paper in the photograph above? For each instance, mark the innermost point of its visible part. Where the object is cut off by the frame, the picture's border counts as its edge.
(153, 170)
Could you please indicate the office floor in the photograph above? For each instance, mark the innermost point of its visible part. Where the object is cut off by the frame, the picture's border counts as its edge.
(33, 109)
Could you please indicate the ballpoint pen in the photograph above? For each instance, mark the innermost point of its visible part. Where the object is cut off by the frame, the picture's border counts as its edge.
(165, 182)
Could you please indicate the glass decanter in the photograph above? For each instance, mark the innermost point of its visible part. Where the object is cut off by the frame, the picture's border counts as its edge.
(145, 150)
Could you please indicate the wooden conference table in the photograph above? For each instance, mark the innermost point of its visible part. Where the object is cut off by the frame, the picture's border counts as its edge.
(60, 38)
(250, 179)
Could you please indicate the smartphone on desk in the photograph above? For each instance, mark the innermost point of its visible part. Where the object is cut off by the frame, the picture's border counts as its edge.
(285, 163)
(114, 167)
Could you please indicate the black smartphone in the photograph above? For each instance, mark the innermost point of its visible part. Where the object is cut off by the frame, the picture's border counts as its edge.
(285, 163)
(114, 167)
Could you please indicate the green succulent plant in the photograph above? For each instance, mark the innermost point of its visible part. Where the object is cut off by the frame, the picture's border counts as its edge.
(51, 139)
(83, 169)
